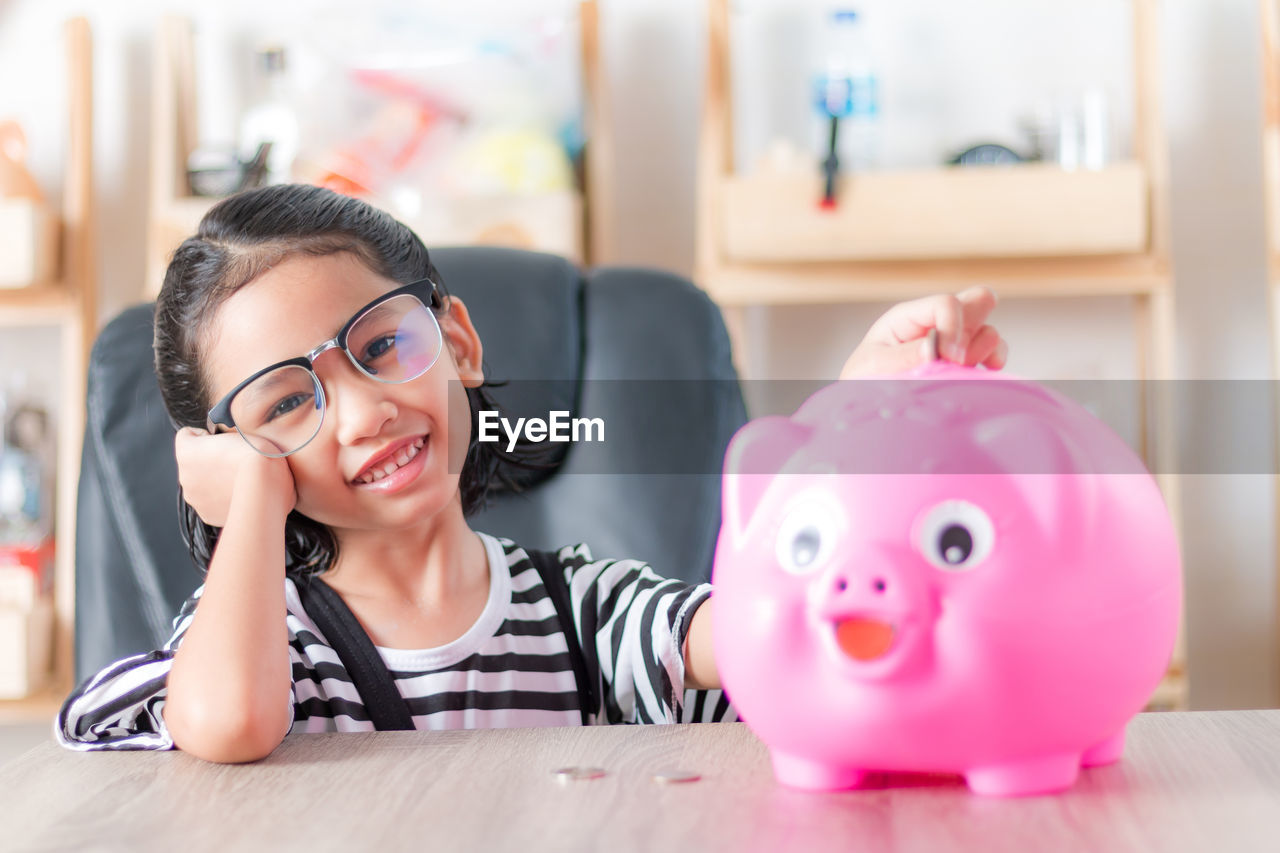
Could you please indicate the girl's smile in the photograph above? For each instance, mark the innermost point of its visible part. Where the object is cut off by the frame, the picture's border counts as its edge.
(392, 469)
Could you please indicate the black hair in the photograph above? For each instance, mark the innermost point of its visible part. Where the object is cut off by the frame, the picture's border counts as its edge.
(237, 240)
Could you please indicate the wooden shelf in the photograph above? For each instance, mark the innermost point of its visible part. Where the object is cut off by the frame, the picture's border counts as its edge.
(38, 304)
(558, 222)
(1171, 694)
(69, 301)
(42, 705)
(1029, 230)
(28, 242)
(1028, 210)
(825, 282)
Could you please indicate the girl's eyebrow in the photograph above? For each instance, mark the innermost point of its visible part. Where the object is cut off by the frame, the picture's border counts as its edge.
(266, 383)
(373, 312)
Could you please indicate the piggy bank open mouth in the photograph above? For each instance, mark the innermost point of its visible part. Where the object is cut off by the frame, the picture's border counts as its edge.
(865, 638)
(871, 644)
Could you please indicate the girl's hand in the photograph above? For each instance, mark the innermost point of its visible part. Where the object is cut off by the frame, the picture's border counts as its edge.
(212, 467)
(897, 341)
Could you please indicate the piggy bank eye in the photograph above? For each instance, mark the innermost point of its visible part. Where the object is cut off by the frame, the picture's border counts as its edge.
(956, 535)
(806, 538)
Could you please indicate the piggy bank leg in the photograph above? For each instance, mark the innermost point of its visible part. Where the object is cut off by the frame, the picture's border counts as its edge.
(1043, 775)
(1107, 752)
(798, 772)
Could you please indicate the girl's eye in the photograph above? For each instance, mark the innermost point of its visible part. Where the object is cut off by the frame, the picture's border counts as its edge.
(378, 347)
(287, 405)
(807, 537)
(956, 536)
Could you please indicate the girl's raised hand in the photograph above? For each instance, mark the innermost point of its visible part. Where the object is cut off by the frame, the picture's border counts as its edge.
(211, 467)
(897, 341)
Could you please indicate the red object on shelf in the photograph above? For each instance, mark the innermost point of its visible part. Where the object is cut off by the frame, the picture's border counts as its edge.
(35, 556)
(26, 571)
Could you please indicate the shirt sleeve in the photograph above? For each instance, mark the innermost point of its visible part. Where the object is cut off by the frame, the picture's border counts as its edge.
(122, 706)
(632, 623)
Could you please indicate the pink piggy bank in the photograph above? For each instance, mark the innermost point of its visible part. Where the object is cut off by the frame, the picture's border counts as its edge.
(950, 571)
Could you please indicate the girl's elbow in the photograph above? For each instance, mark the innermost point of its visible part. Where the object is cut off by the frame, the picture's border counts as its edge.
(225, 737)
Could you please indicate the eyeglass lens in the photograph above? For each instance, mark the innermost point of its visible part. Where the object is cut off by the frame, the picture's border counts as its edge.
(394, 341)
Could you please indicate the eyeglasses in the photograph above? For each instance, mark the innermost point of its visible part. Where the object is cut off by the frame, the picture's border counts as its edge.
(393, 339)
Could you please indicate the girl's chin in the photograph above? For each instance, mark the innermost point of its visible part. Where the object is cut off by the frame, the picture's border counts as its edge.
(409, 510)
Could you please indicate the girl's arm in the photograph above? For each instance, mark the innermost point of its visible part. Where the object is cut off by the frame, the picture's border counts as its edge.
(228, 691)
(700, 671)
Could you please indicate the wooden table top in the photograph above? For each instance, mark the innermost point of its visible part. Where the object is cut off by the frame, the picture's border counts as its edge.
(1207, 781)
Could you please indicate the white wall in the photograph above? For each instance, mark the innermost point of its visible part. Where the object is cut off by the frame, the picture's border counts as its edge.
(654, 54)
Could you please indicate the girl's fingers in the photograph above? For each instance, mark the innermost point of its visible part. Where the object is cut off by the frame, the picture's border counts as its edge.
(982, 346)
(909, 321)
(978, 302)
(999, 358)
(957, 317)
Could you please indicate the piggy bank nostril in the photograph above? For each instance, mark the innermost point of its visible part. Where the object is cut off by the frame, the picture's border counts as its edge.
(879, 585)
(842, 585)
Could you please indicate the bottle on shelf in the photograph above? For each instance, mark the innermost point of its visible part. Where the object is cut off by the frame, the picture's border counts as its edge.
(270, 120)
(26, 466)
(847, 96)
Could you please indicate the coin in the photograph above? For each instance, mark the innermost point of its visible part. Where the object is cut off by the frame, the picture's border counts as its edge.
(569, 774)
(675, 777)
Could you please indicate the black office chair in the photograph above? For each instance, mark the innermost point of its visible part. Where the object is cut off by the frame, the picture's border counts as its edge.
(650, 491)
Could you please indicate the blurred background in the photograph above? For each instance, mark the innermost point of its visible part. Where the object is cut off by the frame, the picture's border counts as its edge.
(1119, 205)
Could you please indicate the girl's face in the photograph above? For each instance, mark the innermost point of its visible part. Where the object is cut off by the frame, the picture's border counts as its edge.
(305, 300)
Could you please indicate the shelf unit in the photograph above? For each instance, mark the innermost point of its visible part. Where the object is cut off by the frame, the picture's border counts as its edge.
(570, 223)
(761, 241)
(68, 302)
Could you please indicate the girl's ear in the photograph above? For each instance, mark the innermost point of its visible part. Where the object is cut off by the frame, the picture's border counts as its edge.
(464, 342)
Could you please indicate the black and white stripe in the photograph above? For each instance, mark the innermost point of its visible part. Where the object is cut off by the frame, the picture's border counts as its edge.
(512, 668)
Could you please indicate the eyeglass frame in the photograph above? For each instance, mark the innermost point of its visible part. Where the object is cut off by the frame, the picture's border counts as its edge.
(220, 414)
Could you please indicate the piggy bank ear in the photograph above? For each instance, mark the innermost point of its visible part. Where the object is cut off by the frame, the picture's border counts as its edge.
(1053, 474)
(756, 454)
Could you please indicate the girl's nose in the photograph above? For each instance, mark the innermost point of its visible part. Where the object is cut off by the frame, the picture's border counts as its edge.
(358, 405)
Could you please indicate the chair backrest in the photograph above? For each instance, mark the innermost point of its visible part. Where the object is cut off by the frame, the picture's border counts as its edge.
(539, 318)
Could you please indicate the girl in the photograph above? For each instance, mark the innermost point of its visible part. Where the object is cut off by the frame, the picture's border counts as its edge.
(297, 463)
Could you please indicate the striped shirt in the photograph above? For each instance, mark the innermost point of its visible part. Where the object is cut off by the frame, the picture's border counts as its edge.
(511, 668)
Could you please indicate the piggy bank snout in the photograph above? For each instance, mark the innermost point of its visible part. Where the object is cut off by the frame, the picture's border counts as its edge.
(871, 614)
(865, 582)
(850, 583)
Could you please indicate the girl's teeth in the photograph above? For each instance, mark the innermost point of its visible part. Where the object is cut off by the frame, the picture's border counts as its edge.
(401, 458)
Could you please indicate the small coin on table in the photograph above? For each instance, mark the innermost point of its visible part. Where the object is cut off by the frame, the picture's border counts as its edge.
(676, 777)
(571, 774)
